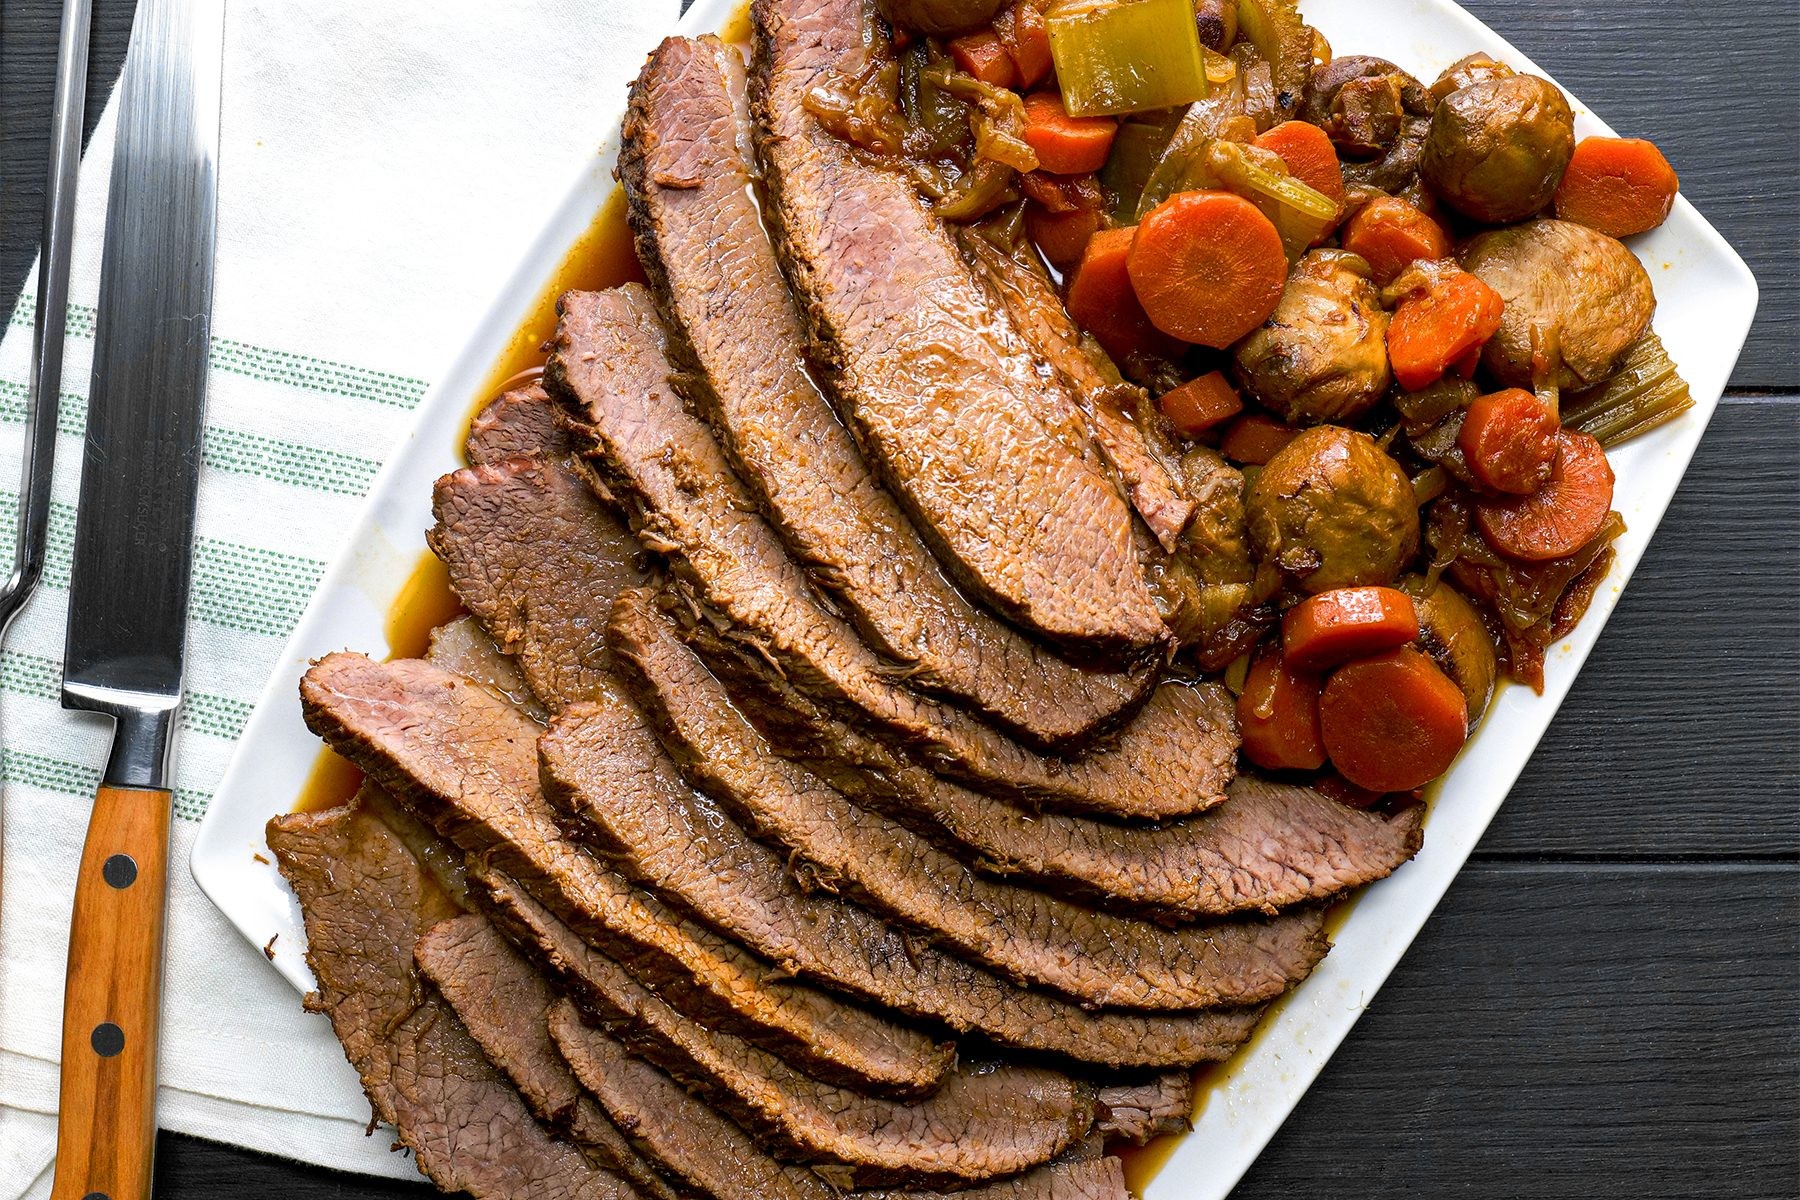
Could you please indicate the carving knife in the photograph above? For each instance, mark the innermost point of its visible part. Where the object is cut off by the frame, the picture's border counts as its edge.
(128, 592)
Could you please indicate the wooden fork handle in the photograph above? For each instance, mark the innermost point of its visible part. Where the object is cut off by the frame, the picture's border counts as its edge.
(106, 1121)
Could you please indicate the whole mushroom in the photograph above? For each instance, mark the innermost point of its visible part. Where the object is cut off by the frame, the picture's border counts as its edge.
(939, 17)
(1498, 148)
(1583, 288)
(1322, 354)
(1332, 510)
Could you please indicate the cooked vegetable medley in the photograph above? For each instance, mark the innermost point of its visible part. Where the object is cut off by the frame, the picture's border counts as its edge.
(1388, 328)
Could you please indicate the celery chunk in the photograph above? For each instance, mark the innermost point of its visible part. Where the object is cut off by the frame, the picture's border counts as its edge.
(1122, 56)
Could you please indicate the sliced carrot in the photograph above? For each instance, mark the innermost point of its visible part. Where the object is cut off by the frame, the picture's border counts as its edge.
(984, 56)
(1393, 722)
(1199, 404)
(1278, 715)
(1440, 325)
(1509, 441)
(1390, 234)
(1619, 186)
(1026, 36)
(1345, 623)
(1102, 302)
(1562, 516)
(1308, 154)
(1207, 267)
(1254, 438)
(1066, 145)
(1062, 236)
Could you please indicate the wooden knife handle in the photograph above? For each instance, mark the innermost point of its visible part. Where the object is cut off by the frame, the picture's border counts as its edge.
(106, 1120)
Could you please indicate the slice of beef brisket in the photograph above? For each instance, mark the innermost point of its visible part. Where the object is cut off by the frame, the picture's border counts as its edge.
(603, 764)
(663, 465)
(1107, 404)
(1269, 846)
(1137, 1112)
(986, 1120)
(464, 647)
(689, 179)
(366, 900)
(1094, 957)
(538, 560)
(520, 424)
(504, 1004)
(465, 760)
(712, 1154)
(945, 398)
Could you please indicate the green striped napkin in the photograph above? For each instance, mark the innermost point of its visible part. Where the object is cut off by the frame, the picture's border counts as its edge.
(383, 167)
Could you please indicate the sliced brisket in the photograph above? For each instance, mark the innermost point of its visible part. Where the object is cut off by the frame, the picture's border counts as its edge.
(1097, 958)
(464, 647)
(366, 900)
(1107, 404)
(712, 1154)
(465, 760)
(687, 173)
(1269, 846)
(520, 424)
(537, 559)
(601, 761)
(1138, 1112)
(985, 1121)
(662, 464)
(944, 396)
(504, 1004)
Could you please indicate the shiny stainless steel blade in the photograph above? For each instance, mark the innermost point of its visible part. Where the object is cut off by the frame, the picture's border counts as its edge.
(141, 465)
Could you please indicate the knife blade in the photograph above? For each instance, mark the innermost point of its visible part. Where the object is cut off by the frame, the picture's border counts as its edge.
(129, 580)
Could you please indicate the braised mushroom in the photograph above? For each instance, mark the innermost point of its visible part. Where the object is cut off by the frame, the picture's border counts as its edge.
(1332, 510)
(1376, 114)
(1498, 148)
(1322, 354)
(1471, 68)
(1452, 633)
(939, 16)
(1566, 280)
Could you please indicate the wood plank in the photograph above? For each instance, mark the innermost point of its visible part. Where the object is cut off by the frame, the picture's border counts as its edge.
(1681, 738)
(1565, 1031)
(1675, 73)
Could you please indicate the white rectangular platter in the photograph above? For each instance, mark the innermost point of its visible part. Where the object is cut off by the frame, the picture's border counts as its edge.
(1706, 298)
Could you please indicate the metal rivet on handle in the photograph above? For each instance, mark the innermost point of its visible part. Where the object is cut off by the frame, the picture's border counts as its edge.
(119, 871)
(107, 1039)
(96, 1196)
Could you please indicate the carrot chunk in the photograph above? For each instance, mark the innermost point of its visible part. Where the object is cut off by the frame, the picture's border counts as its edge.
(1066, 145)
(1562, 516)
(1391, 234)
(1309, 156)
(1619, 186)
(1200, 403)
(1102, 302)
(1253, 439)
(1061, 236)
(984, 56)
(1393, 722)
(1440, 325)
(1509, 441)
(1334, 627)
(1207, 267)
(1278, 714)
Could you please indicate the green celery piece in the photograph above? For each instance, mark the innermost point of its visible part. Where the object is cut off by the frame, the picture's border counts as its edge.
(1122, 56)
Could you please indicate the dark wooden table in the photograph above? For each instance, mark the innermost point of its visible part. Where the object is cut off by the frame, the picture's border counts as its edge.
(1605, 1003)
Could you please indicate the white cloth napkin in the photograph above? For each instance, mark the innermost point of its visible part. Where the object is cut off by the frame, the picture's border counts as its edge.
(383, 165)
